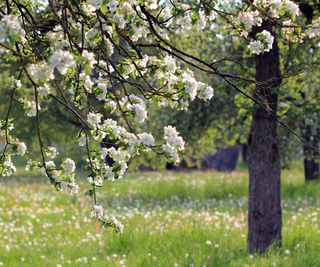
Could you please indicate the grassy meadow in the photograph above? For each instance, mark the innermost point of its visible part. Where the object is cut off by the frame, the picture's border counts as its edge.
(171, 219)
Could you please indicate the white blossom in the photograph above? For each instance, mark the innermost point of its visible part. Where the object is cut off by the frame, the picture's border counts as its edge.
(97, 181)
(263, 44)
(68, 166)
(268, 39)
(7, 166)
(118, 225)
(191, 85)
(94, 118)
(250, 19)
(146, 139)
(55, 176)
(31, 108)
(139, 111)
(113, 4)
(62, 60)
(89, 57)
(51, 152)
(170, 64)
(21, 148)
(95, 3)
(50, 164)
(41, 72)
(256, 47)
(174, 143)
(120, 20)
(10, 27)
(205, 92)
(118, 154)
(97, 211)
(292, 7)
(314, 29)
(137, 106)
(82, 140)
(44, 90)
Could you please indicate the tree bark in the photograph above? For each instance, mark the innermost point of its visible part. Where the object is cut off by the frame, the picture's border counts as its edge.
(264, 216)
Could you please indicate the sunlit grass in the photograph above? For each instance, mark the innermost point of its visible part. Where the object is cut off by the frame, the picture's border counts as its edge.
(171, 219)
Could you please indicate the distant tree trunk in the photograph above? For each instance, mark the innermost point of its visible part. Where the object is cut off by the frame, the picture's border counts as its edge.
(311, 157)
(225, 159)
(311, 169)
(264, 216)
(244, 153)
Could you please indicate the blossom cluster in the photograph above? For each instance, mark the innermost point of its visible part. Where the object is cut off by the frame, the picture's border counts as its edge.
(10, 29)
(13, 147)
(174, 143)
(263, 43)
(283, 12)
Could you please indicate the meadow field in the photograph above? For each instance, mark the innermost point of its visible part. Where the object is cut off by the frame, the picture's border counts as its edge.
(170, 218)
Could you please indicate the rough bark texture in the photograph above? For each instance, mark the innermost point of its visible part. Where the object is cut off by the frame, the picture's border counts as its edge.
(264, 216)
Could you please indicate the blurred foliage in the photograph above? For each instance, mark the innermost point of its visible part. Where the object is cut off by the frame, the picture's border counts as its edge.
(299, 101)
(57, 125)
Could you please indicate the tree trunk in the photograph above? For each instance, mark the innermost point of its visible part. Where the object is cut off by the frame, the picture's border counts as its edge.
(311, 170)
(244, 153)
(264, 216)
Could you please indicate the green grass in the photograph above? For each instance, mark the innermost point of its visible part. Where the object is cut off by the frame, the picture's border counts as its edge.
(171, 219)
